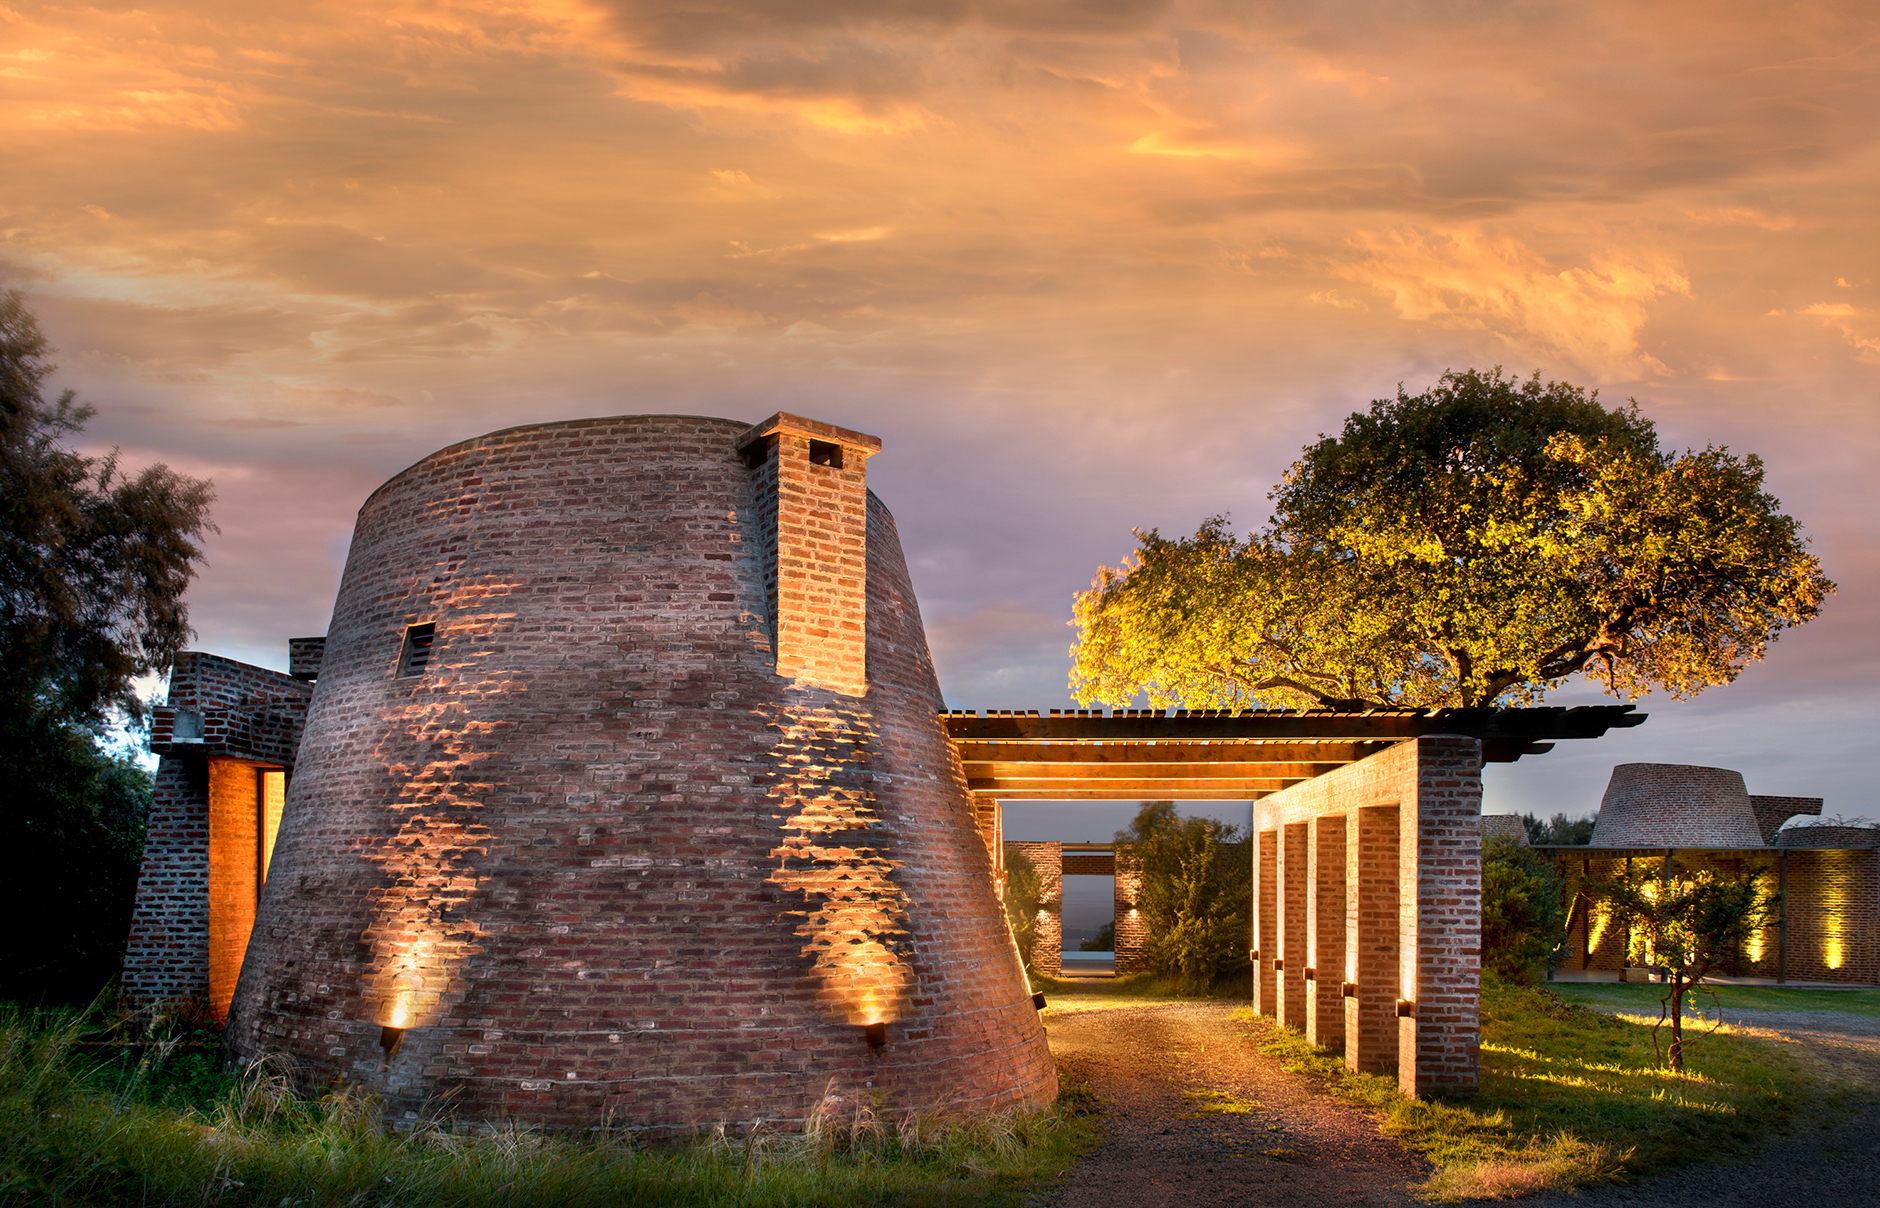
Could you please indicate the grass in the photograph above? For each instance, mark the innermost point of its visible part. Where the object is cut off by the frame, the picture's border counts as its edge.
(1644, 998)
(151, 1125)
(1571, 1097)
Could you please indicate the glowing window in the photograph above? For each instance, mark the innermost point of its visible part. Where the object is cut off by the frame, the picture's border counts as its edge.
(270, 796)
(417, 653)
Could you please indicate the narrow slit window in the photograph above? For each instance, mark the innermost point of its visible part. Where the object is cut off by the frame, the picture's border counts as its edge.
(417, 653)
(270, 796)
(825, 453)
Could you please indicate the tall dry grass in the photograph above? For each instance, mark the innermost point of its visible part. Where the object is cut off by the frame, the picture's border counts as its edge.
(79, 1130)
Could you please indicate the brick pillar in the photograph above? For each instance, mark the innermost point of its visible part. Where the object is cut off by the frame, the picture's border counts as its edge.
(812, 481)
(1371, 940)
(1047, 953)
(1294, 889)
(1325, 928)
(1440, 929)
(1131, 933)
(1265, 920)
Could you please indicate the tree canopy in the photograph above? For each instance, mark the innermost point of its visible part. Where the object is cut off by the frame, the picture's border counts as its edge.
(1194, 888)
(93, 562)
(1473, 545)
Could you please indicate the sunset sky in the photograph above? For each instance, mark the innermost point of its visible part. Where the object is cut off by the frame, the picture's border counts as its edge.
(1083, 266)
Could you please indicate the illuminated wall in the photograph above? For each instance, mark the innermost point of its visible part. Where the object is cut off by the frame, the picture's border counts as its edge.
(602, 857)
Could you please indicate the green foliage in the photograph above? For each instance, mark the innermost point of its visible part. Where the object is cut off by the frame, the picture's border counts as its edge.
(1560, 829)
(1686, 922)
(1024, 898)
(1194, 893)
(1570, 1097)
(72, 824)
(93, 564)
(1521, 917)
(1472, 545)
(1103, 941)
(82, 1131)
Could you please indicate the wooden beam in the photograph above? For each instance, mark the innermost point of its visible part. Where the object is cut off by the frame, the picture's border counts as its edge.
(1003, 770)
(1128, 789)
(1531, 725)
(1163, 794)
(1166, 752)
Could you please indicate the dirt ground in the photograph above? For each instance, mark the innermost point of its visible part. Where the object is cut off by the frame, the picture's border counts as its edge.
(1195, 1116)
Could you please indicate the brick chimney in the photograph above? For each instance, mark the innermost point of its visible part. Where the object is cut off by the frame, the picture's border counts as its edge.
(812, 493)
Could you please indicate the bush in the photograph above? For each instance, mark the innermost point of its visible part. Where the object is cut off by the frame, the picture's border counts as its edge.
(1195, 894)
(1521, 922)
(1102, 941)
(1024, 898)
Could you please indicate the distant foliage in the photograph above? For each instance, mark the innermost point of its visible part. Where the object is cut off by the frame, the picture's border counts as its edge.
(1521, 916)
(1103, 941)
(1024, 897)
(1474, 545)
(1195, 894)
(1560, 830)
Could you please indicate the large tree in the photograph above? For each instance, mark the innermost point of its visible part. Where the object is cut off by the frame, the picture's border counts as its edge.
(1473, 545)
(93, 564)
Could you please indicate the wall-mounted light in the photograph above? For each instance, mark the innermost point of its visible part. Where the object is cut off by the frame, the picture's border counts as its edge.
(1348, 990)
(398, 1010)
(875, 1033)
(1279, 962)
(1253, 954)
(1037, 1002)
(1406, 1009)
(1312, 974)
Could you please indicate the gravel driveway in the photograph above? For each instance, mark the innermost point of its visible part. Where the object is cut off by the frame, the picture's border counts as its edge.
(1195, 1116)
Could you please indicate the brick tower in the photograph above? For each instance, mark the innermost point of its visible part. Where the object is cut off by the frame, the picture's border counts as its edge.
(623, 798)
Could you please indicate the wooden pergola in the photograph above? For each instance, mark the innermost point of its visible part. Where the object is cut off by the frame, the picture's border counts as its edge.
(1221, 755)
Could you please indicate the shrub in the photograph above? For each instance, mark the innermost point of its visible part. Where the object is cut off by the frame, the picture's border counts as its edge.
(1024, 898)
(1194, 893)
(1521, 923)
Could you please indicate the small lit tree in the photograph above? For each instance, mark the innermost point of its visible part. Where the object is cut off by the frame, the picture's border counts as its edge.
(1196, 890)
(1686, 922)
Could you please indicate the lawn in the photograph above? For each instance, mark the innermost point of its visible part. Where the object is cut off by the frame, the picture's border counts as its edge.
(1570, 1097)
(1644, 998)
(155, 1125)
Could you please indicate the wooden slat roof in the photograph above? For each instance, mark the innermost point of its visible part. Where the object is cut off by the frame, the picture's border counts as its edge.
(1222, 755)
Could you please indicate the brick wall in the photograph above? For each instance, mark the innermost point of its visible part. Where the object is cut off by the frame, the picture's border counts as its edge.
(1431, 788)
(1048, 858)
(610, 862)
(1132, 933)
(235, 718)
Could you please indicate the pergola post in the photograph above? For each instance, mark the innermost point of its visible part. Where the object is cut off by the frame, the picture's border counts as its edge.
(1325, 925)
(1371, 939)
(1294, 891)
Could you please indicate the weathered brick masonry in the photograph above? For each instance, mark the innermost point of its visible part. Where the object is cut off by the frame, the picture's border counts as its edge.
(226, 736)
(631, 846)
(1367, 894)
(1047, 954)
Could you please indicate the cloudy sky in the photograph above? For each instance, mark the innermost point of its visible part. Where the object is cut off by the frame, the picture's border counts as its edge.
(1084, 265)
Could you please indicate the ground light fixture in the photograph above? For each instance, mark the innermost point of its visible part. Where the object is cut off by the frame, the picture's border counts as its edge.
(875, 1033)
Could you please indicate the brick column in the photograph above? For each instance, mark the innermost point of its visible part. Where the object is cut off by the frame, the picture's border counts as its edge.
(1440, 929)
(1265, 920)
(1371, 940)
(812, 481)
(1325, 927)
(1131, 933)
(1047, 953)
(1294, 889)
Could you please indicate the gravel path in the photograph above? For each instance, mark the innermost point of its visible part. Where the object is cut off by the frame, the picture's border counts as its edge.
(1194, 1116)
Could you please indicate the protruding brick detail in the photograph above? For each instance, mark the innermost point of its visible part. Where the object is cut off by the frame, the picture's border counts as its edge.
(1325, 929)
(1433, 784)
(1047, 954)
(220, 722)
(1772, 812)
(303, 657)
(813, 500)
(607, 863)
